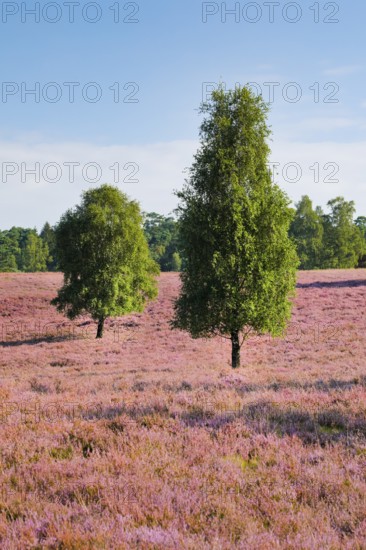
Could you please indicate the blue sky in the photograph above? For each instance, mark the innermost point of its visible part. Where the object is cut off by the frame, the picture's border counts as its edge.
(163, 61)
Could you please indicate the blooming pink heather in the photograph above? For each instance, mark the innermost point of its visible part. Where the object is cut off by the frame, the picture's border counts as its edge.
(148, 440)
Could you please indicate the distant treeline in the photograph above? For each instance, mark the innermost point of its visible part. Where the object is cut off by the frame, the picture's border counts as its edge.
(163, 240)
(26, 250)
(329, 240)
(324, 240)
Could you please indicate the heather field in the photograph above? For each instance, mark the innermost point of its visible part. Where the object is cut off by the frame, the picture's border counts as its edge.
(147, 439)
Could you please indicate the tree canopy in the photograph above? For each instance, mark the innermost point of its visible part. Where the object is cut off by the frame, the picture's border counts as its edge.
(241, 266)
(22, 250)
(328, 240)
(313, 232)
(307, 231)
(162, 236)
(103, 253)
(48, 237)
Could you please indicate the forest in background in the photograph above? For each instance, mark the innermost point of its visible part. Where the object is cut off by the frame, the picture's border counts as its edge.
(324, 240)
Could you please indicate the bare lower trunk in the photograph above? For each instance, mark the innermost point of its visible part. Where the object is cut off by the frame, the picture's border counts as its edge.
(235, 350)
(100, 327)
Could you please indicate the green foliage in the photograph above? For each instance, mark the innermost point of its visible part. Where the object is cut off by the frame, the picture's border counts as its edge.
(103, 253)
(328, 241)
(8, 253)
(48, 237)
(34, 253)
(323, 241)
(162, 236)
(360, 222)
(307, 231)
(240, 263)
(22, 250)
(16, 239)
(343, 243)
(176, 262)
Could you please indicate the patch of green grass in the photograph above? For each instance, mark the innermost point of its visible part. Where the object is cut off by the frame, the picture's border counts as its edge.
(61, 453)
(251, 463)
(331, 430)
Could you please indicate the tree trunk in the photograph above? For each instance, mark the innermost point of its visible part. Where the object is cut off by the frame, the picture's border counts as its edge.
(100, 327)
(235, 350)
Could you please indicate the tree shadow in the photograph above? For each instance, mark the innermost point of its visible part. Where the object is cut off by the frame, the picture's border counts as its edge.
(242, 388)
(126, 412)
(38, 340)
(326, 426)
(333, 284)
(265, 417)
(122, 332)
(319, 385)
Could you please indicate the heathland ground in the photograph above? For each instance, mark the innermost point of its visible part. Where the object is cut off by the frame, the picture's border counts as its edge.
(147, 438)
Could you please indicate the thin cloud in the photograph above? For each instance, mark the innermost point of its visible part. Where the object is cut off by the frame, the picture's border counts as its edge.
(322, 170)
(343, 70)
(30, 202)
(329, 123)
(161, 171)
